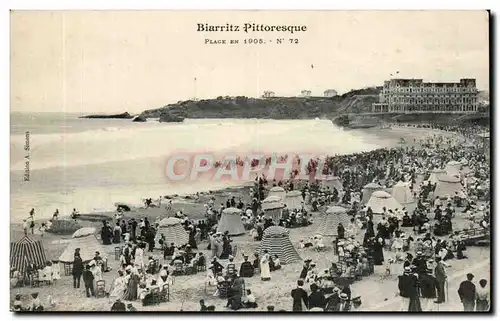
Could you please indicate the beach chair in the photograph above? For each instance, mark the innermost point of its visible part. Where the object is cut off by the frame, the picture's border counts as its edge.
(190, 270)
(100, 291)
(118, 252)
(155, 296)
(223, 288)
(165, 293)
(201, 267)
(178, 268)
(231, 269)
(68, 269)
(35, 280)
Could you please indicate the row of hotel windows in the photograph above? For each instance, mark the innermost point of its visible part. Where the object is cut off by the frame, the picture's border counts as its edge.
(431, 108)
(429, 89)
(433, 101)
(431, 95)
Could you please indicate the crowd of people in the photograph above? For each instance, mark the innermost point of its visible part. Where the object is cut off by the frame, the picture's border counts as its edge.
(423, 278)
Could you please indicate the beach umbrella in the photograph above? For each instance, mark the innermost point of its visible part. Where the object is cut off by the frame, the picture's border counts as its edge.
(84, 239)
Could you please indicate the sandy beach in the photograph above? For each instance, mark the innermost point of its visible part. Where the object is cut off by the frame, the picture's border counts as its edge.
(188, 290)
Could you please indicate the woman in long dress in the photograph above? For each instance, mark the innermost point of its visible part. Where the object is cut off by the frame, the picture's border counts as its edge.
(119, 286)
(265, 273)
(117, 233)
(106, 233)
(139, 257)
(132, 284)
(56, 271)
(378, 252)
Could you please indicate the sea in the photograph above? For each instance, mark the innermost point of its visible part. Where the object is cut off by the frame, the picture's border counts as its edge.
(91, 164)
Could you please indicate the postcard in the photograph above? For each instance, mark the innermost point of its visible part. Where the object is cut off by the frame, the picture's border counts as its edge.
(250, 161)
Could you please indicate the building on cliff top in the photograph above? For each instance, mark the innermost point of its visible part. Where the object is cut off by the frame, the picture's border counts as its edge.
(268, 94)
(416, 96)
(330, 93)
(305, 93)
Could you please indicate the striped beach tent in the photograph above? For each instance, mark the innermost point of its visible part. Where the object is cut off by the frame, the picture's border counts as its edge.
(173, 230)
(26, 251)
(277, 191)
(330, 221)
(85, 240)
(272, 207)
(230, 221)
(293, 200)
(368, 191)
(276, 241)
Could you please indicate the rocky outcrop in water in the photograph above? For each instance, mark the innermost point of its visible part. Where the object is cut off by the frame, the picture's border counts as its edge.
(124, 115)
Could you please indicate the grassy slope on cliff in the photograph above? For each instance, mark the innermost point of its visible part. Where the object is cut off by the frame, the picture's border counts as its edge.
(273, 108)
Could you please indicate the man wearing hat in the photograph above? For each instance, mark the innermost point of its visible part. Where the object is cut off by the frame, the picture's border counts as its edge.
(300, 298)
(305, 268)
(420, 263)
(333, 301)
(405, 288)
(88, 280)
(345, 305)
(246, 269)
(467, 293)
(440, 275)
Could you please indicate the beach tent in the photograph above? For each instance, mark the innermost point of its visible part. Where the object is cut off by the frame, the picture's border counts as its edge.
(276, 241)
(173, 231)
(447, 186)
(368, 191)
(402, 193)
(272, 207)
(293, 200)
(230, 221)
(381, 199)
(330, 221)
(86, 241)
(278, 191)
(453, 168)
(333, 182)
(435, 175)
(26, 251)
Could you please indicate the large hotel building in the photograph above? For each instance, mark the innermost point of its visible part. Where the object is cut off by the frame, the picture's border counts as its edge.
(417, 96)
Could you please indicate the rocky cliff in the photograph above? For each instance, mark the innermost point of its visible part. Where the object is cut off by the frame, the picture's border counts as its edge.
(355, 101)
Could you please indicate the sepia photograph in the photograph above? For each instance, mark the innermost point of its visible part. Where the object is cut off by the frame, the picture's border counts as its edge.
(250, 161)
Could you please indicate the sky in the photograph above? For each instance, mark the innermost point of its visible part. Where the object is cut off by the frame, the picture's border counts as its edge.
(115, 61)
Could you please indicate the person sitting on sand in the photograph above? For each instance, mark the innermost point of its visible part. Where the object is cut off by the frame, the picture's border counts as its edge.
(118, 305)
(274, 263)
